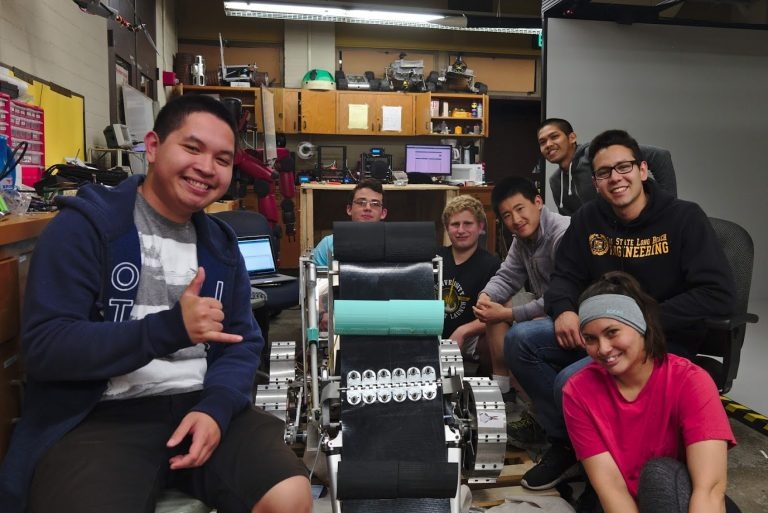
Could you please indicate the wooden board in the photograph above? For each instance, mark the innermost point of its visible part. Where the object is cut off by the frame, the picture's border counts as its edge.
(489, 497)
(221, 206)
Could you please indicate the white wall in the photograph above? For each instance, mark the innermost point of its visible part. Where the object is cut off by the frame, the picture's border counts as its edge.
(167, 43)
(53, 40)
(700, 92)
(308, 45)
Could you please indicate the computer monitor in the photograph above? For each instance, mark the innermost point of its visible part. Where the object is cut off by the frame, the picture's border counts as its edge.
(427, 160)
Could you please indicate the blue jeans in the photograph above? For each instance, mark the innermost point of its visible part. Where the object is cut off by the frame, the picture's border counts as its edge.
(564, 375)
(535, 358)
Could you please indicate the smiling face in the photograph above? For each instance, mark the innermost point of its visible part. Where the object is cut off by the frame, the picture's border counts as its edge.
(623, 191)
(367, 206)
(619, 348)
(556, 146)
(191, 168)
(464, 230)
(520, 215)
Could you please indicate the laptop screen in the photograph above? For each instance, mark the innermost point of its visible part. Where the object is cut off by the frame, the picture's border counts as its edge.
(257, 253)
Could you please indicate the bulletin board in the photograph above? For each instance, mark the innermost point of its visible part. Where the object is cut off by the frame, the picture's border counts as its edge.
(64, 118)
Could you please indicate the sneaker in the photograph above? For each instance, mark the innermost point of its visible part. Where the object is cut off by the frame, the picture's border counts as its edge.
(557, 464)
(525, 431)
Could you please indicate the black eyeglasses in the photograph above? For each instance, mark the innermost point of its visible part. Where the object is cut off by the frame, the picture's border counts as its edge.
(622, 168)
(360, 202)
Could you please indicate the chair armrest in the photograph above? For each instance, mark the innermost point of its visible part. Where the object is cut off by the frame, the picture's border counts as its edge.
(728, 323)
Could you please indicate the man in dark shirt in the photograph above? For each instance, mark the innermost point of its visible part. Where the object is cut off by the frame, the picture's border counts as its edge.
(466, 269)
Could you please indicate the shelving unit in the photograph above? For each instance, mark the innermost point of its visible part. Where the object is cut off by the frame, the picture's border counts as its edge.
(459, 121)
(249, 96)
(327, 112)
(21, 122)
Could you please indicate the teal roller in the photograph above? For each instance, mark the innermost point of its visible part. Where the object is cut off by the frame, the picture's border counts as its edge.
(393, 317)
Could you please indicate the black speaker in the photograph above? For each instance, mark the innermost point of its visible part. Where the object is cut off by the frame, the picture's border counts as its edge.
(376, 166)
(380, 171)
(341, 80)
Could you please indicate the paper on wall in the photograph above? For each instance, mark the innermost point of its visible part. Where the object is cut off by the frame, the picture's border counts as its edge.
(358, 116)
(392, 119)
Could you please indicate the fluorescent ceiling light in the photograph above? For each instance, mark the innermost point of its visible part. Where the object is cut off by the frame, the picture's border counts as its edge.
(315, 13)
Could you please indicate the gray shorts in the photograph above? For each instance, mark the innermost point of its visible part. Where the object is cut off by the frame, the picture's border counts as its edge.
(116, 460)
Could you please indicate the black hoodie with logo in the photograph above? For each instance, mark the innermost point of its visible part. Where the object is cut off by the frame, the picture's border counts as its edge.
(670, 248)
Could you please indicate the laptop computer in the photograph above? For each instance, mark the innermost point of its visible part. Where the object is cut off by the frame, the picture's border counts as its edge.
(260, 261)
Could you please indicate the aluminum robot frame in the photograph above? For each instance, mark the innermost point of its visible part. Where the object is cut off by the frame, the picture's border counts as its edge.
(306, 392)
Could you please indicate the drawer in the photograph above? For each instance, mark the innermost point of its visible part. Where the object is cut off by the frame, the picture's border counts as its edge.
(9, 298)
(10, 391)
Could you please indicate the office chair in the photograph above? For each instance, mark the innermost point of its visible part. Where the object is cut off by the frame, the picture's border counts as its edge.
(246, 223)
(725, 336)
(173, 501)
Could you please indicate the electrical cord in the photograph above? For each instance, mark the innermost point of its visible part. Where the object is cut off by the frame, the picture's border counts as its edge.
(317, 453)
(13, 160)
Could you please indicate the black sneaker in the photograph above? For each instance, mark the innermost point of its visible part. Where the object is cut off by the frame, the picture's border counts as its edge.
(557, 464)
(525, 431)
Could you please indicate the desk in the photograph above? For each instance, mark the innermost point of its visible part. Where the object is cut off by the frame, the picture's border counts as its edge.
(322, 204)
(137, 162)
(17, 240)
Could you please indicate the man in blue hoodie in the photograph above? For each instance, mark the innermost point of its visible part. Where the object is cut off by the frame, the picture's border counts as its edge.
(141, 348)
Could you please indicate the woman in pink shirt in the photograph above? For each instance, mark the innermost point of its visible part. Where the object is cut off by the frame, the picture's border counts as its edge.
(648, 426)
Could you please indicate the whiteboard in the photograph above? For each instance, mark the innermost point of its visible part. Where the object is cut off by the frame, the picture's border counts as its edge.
(139, 113)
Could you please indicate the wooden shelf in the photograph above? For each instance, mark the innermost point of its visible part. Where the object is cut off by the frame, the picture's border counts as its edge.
(16, 228)
(249, 96)
(430, 109)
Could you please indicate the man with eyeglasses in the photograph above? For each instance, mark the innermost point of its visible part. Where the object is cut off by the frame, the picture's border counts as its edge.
(366, 205)
(666, 243)
(571, 184)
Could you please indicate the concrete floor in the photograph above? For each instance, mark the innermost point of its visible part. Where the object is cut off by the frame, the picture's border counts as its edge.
(747, 462)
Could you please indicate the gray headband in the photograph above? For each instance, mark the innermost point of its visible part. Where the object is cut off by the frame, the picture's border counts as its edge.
(614, 306)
